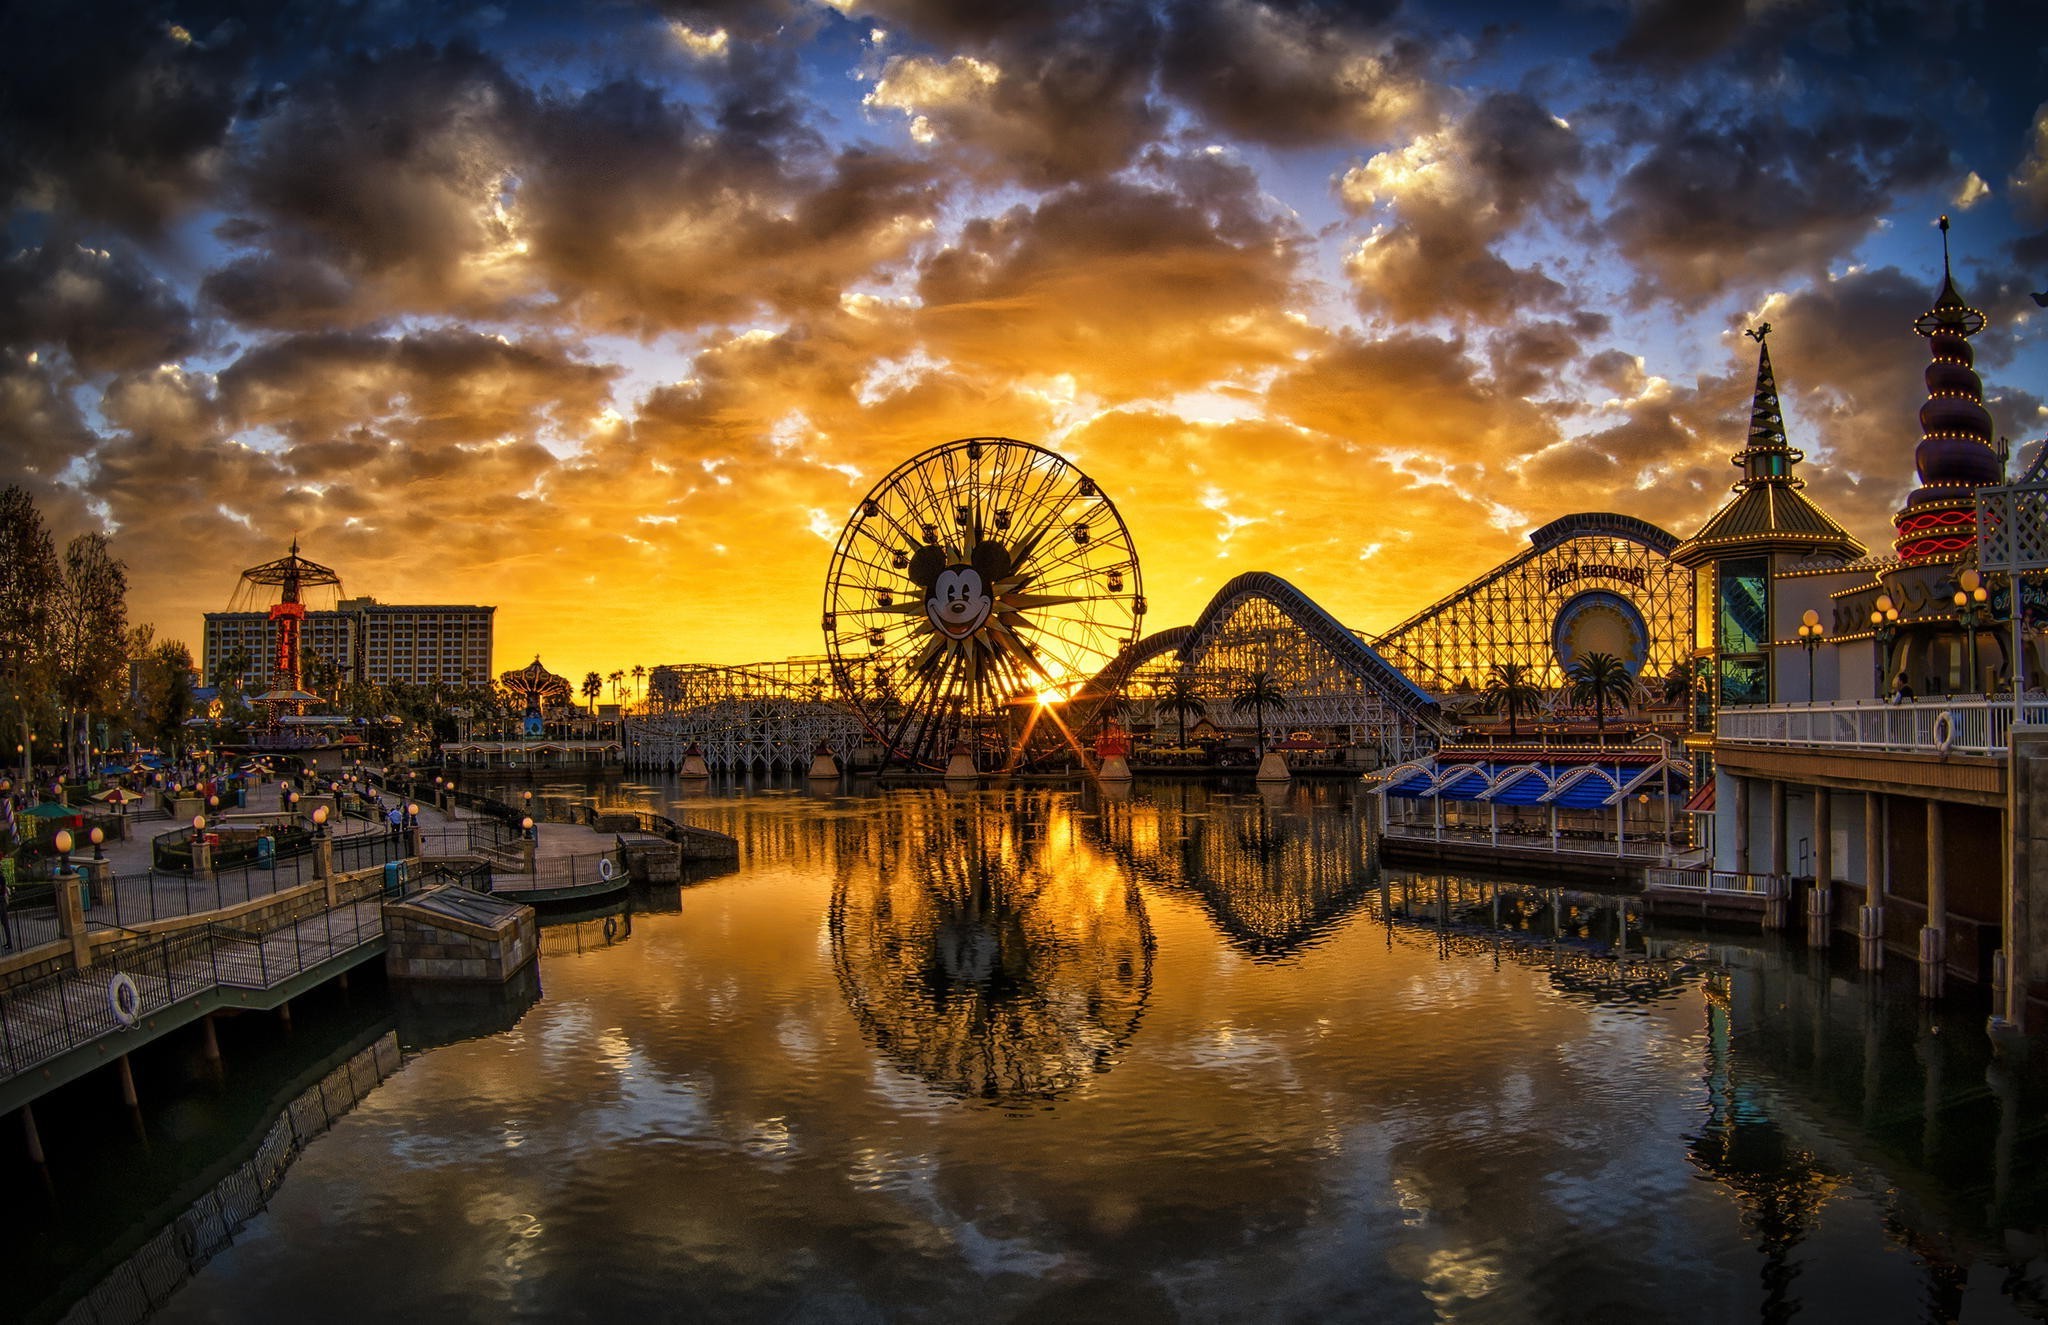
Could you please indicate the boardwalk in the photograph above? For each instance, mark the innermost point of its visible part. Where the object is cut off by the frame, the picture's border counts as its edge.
(48, 1018)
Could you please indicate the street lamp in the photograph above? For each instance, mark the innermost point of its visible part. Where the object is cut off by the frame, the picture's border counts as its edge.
(320, 821)
(526, 825)
(1884, 625)
(98, 835)
(1972, 610)
(1810, 631)
(63, 844)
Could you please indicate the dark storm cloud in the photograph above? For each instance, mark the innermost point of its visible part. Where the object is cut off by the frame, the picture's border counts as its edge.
(640, 217)
(104, 309)
(376, 168)
(1455, 194)
(1294, 74)
(435, 388)
(1723, 200)
(1065, 102)
(1677, 32)
(115, 114)
(41, 431)
(430, 180)
(271, 290)
(1527, 360)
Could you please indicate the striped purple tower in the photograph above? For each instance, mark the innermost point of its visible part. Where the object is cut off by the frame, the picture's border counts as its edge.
(1955, 455)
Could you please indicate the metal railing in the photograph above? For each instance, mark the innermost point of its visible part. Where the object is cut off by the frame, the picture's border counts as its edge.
(1960, 725)
(567, 872)
(43, 1019)
(1710, 881)
(128, 900)
(365, 850)
(1651, 844)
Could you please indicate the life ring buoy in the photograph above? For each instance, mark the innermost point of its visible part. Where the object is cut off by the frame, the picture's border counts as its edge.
(1944, 730)
(611, 928)
(604, 868)
(123, 999)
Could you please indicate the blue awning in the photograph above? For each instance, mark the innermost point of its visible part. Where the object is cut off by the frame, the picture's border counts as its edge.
(1472, 782)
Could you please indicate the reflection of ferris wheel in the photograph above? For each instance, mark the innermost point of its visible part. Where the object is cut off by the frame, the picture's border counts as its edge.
(977, 581)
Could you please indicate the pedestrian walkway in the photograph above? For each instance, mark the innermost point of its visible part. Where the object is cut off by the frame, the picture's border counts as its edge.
(148, 989)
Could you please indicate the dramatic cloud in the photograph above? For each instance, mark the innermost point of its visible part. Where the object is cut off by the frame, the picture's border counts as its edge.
(1069, 105)
(1456, 192)
(1731, 199)
(610, 314)
(1298, 73)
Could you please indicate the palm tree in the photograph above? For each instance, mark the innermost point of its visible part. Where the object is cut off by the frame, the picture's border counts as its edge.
(593, 686)
(1180, 698)
(1681, 681)
(1260, 691)
(639, 676)
(1508, 687)
(1599, 677)
(617, 678)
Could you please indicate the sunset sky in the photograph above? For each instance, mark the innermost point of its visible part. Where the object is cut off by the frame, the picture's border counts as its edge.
(609, 314)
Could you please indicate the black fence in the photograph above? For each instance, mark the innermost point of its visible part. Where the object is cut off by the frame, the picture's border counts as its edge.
(368, 849)
(474, 876)
(41, 1019)
(47, 1017)
(494, 835)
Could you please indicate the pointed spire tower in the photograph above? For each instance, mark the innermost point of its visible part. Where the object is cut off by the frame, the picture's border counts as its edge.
(1768, 513)
(1955, 455)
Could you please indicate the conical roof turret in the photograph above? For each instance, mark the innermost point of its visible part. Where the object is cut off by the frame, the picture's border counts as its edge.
(1768, 513)
(1767, 458)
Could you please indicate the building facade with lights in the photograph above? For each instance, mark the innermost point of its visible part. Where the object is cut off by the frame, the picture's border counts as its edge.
(1858, 725)
(365, 640)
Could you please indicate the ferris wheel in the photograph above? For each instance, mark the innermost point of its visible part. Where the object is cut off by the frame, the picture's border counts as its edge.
(971, 593)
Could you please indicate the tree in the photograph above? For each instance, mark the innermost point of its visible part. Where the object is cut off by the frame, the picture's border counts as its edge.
(639, 678)
(1183, 700)
(593, 686)
(91, 618)
(1260, 691)
(163, 692)
(1508, 687)
(617, 679)
(1597, 678)
(29, 580)
(1681, 681)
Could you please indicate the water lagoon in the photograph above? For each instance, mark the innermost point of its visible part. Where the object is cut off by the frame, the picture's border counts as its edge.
(1040, 1054)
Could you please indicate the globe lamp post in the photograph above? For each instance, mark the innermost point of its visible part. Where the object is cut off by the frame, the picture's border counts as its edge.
(1810, 632)
(1884, 625)
(1972, 611)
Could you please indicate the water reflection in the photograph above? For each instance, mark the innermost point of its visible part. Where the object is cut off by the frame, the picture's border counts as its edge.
(430, 1014)
(1592, 946)
(1276, 870)
(986, 948)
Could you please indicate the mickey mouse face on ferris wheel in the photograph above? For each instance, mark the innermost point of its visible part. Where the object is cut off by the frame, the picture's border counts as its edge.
(959, 597)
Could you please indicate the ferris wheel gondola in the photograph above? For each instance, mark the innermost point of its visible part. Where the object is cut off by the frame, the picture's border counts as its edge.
(974, 590)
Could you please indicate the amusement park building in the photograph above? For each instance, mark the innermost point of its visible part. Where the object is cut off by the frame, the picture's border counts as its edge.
(1865, 722)
(417, 644)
